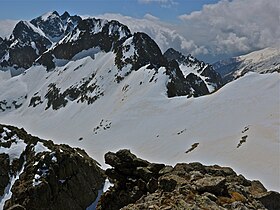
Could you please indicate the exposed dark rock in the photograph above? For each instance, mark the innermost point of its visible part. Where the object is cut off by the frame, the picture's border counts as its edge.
(24, 46)
(4, 172)
(184, 186)
(56, 26)
(271, 200)
(212, 77)
(172, 54)
(178, 85)
(4, 44)
(50, 176)
(89, 33)
(215, 185)
(143, 50)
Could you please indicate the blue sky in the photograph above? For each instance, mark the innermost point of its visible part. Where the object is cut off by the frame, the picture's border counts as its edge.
(166, 10)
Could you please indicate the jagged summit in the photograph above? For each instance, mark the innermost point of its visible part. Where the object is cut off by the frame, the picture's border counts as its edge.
(172, 54)
(56, 26)
(193, 68)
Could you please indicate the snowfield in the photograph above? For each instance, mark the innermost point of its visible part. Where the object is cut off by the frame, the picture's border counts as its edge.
(237, 126)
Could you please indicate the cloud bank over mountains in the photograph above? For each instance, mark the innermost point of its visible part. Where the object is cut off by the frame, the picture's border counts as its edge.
(224, 29)
(234, 27)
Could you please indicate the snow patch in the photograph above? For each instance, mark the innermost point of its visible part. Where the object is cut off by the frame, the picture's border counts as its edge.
(40, 147)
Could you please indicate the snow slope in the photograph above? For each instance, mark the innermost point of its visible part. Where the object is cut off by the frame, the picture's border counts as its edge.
(136, 114)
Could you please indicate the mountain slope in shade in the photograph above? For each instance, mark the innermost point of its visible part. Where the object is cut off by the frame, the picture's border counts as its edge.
(262, 61)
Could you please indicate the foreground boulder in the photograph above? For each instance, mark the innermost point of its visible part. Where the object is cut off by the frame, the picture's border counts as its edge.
(38, 174)
(139, 184)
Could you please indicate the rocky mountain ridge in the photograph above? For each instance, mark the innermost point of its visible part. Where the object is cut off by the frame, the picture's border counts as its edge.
(38, 174)
(30, 39)
(52, 40)
(193, 68)
(139, 184)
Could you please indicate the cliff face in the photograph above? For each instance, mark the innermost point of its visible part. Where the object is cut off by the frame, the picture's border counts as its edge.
(38, 174)
(139, 184)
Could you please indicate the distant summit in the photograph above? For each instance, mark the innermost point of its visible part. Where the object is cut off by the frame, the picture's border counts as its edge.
(52, 40)
(261, 61)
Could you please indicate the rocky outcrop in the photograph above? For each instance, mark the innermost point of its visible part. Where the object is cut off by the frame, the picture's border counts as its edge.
(24, 46)
(139, 184)
(190, 66)
(38, 174)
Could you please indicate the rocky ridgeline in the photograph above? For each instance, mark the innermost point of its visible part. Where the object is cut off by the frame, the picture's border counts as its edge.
(53, 40)
(139, 184)
(38, 174)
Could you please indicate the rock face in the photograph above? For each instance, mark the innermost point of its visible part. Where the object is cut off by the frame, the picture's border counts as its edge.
(139, 184)
(200, 75)
(56, 26)
(38, 174)
(31, 39)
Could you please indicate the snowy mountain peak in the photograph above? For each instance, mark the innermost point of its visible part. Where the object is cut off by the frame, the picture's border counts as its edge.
(48, 15)
(65, 15)
(55, 26)
(86, 39)
(25, 32)
(25, 44)
(261, 61)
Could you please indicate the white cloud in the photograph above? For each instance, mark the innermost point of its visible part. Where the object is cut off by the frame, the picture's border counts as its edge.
(234, 27)
(227, 28)
(163, 33)
(163, 3)
(6, 27)
(151, 17)
(224, 29)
